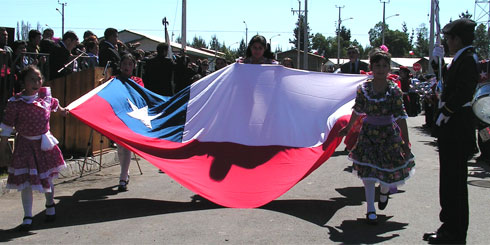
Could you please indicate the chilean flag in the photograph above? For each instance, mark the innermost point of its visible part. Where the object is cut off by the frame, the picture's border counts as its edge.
(240, 137)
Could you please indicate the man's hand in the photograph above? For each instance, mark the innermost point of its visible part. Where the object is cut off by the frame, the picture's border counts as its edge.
(438, 51)
(442, 118)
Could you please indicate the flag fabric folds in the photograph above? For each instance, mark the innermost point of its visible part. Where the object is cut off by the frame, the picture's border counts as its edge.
(240, 137)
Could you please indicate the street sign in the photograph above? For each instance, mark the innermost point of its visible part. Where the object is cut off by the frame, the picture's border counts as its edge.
(416, 67)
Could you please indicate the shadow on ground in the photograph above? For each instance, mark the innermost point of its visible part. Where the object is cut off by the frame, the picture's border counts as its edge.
(91, 206)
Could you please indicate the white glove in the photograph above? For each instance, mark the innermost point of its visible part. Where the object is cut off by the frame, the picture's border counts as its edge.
(438, 51)
(442, 118)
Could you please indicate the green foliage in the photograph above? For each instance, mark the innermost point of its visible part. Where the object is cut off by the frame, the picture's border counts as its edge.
(466, 15)
(482, 42)
(422, 44)
(397, 41)
(198, 42)
(301, 26)
(242, 49)
(214, 43)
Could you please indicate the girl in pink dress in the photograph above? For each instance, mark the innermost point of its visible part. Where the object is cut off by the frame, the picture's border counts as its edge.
(36, 159)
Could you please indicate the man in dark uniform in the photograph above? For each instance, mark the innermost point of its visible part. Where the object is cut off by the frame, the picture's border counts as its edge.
(108, 51)
(456, 132)
(158, 72)
(61, 54)
(354, 66)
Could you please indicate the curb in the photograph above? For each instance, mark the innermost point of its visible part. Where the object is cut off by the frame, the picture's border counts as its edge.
(73, 168)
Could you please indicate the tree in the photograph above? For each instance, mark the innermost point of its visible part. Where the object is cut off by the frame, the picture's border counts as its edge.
(482, 42)
(466, 15)
(397, 41)
(214, 43)
(344, 39)
(23, 31)
(319, 42)
(198, 42)
(301, 26)
(179, 40)
(375, 34)
(242, 49)
(422, 45)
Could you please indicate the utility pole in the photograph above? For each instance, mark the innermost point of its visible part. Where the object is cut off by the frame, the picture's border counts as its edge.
(184, 25)
(246, 32)
(338, 34)
(305, 40)
(433, 4)
(298, 36)
(384, 25)
(62, 16)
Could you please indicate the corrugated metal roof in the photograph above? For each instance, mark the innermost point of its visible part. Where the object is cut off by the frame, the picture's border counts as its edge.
(157, 39)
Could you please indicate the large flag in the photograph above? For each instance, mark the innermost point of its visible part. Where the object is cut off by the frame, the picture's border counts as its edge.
(240, 137)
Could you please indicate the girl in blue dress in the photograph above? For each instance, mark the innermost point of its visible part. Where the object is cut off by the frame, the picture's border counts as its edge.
(382, 152)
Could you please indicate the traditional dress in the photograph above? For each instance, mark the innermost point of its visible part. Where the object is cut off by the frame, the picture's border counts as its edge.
(377, 154)
(36, 159)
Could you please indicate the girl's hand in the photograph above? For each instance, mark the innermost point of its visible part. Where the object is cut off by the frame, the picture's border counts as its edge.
(406, 151)
(344, 131)
(64, 111)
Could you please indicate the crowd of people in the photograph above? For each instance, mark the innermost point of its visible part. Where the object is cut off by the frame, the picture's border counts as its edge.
(380, 152)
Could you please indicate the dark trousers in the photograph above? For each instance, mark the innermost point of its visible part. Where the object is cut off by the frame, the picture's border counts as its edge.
(453, 187)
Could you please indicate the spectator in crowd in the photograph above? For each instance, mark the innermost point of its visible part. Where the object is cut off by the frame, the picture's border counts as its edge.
(158, 72)
(87, 34)
(354, 66)
(48, 34)
(108, 49)
(406, 82)
(34, 41)
(92, 50)
(47, 43)
(258, 52)
(185, 73)
(5, 50)
(5, 63)
(220, 63)
(203, 68)
(61, 55)
(20, 61)
(455, 131)
(287, 62)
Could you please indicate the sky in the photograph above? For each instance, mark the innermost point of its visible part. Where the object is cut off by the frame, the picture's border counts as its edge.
(271, 18)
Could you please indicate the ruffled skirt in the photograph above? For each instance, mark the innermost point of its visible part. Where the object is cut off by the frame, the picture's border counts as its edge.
(33, 167)
(378, 156)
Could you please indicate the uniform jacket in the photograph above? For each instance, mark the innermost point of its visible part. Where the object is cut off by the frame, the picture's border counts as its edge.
(459, 83)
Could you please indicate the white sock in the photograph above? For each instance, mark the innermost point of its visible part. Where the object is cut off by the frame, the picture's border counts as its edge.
(50, 201)
(383, 189)
(124, 161)
(26, 196)
(369, 191)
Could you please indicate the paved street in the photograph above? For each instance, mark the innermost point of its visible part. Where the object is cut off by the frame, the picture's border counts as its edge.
(327, 207)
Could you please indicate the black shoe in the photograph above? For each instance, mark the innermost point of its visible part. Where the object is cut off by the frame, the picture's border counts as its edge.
(123, 185)
(24, 227)
(428, 235)
(382, 205)
(371, 221)
(444, 238)
(50, 218)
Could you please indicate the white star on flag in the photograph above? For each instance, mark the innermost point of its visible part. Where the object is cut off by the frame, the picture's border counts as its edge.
(142, 114)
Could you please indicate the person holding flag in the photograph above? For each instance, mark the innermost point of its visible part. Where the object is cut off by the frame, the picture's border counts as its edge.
(455, 131)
